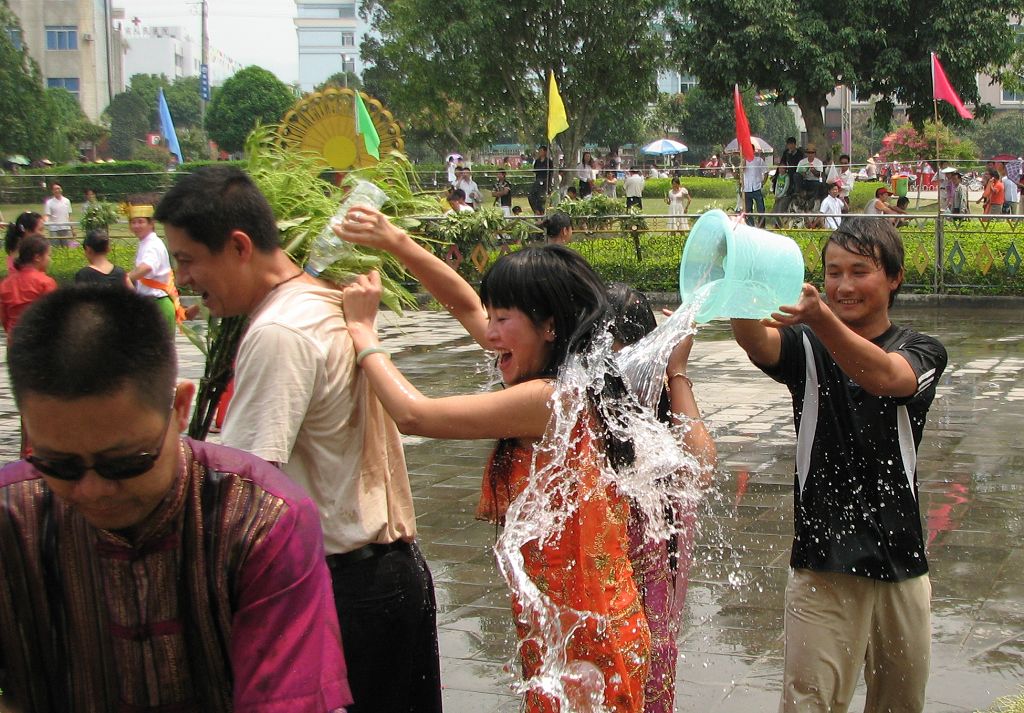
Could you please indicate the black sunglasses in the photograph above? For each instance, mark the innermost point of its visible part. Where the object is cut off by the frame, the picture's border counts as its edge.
(121, 468)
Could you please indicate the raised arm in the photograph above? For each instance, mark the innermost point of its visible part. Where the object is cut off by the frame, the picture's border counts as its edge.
(683, 403)
(877, 371)
(520, 411)
(365, 226)
(761, 343)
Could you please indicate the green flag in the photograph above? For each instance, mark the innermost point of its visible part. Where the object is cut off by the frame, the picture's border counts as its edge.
(364, 126)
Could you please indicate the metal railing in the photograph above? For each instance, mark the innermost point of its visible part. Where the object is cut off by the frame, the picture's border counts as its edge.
(945, 253)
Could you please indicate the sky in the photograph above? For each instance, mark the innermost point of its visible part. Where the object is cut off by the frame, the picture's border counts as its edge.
(260, 32)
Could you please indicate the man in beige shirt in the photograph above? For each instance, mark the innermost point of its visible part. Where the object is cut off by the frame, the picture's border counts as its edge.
(300, 402)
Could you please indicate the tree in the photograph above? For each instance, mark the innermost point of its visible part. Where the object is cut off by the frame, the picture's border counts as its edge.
(26, 122)
(881, 47)
(493, 60)
(341, 80)
(68, 119)
(779, 125)
(129, 122)
(906, 143)
(182, 97)
(708, 119)
(250, 97)
(1004, 134)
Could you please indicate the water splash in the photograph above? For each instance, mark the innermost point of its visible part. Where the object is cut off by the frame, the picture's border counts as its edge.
(663, 477)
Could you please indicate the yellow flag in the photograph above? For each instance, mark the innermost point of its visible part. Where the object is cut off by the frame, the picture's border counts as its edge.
(557, 120)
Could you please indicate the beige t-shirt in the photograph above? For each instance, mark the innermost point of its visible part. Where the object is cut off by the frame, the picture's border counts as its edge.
(300, 401)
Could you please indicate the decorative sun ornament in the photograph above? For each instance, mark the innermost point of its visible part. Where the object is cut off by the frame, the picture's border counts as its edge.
(324, 123)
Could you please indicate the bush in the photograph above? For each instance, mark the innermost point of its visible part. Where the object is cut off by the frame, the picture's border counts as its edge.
(67, 261)
(111, 181)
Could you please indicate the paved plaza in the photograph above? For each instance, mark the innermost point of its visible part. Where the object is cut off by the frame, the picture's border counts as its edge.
(972, 495)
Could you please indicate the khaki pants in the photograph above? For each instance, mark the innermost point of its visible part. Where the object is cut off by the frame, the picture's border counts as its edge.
(837, 624)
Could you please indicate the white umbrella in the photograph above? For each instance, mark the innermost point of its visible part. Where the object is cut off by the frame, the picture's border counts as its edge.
(456, 156)
(664, 147)
(762, 145)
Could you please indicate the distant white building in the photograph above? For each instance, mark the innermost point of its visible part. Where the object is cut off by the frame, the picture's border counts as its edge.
(76, 46)
(171, 51)
(329, 34)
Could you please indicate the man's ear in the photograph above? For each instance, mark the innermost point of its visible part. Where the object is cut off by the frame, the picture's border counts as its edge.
(241, 244)
(183, 394)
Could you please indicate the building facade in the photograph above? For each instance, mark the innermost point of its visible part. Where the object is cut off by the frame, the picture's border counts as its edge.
(172, 52)
(76, 46)
(329, 34)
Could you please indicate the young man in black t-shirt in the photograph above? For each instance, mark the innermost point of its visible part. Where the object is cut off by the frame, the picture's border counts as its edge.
(858, 593)
(543, 167)
(503, 194)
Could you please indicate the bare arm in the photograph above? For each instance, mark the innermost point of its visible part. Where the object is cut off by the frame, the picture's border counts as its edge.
(683, 403)
(520, 411)
(877, 371)
(141, 270)
(366, 226)
(761, 343)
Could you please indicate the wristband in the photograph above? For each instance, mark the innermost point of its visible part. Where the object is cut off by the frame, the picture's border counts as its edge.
(371, 350)
(677, 375)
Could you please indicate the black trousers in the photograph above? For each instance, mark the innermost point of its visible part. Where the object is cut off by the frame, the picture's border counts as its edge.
(634, 201)
(388, 616)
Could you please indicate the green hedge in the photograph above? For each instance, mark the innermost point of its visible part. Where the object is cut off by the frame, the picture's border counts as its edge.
(111, 181)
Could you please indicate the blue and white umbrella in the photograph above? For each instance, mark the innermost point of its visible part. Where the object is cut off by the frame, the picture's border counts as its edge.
(664, 147)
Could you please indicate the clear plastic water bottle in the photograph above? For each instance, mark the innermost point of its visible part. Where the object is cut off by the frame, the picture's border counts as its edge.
(328, 248)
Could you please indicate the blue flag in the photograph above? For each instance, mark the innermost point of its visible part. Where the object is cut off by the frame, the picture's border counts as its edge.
(167, 126)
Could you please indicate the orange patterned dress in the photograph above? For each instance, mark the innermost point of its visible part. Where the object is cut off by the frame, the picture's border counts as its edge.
(587, 568)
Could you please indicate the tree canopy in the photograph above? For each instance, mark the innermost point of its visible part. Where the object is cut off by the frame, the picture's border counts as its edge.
(23, 102)
(491, 61)
(881, 48)
(250, 97)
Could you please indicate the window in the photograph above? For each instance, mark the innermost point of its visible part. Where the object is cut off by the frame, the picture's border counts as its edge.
(69, 83)
(309, 38)
(61, 37)
(327, 12)
(15, 35)
(1012, 97)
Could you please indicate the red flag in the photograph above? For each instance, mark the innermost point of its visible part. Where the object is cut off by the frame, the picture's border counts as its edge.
(942, 89)
(742, 127)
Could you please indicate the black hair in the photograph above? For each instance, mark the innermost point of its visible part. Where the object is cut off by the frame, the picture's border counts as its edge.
(632, 319)
(98, 241)
(457, 195)
(875, 239)
(91, 340)
(516, 210)
(216, 200)
(902, 201)
(993, 172)
(30, 247)
(844, 155)
(555, 223)
(27, 222)
(790, 139)
(554, 282)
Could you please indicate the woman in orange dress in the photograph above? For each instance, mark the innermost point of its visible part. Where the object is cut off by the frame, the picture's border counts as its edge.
(537, 307)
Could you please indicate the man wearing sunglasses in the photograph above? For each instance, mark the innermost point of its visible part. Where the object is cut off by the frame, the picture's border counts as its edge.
(140, 570)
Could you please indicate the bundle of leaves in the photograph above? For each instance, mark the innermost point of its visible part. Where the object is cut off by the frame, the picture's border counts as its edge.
(99, 216)
(468, 229)
(594, 212)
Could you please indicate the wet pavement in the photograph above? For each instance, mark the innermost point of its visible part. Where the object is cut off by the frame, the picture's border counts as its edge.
(971, 471)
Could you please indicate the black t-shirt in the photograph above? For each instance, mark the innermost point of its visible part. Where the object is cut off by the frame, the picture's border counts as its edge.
(87, 275)
(856, 509)
(507, 198)
(542, 173)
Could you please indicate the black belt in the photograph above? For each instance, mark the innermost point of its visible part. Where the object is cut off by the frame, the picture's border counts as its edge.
(360, 554)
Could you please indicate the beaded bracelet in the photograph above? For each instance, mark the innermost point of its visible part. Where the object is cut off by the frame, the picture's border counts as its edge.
(371, 350)
(679, 375)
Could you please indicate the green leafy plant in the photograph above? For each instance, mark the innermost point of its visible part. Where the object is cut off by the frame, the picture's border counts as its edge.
(468, 230)
(99, 216)
(594, 212)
